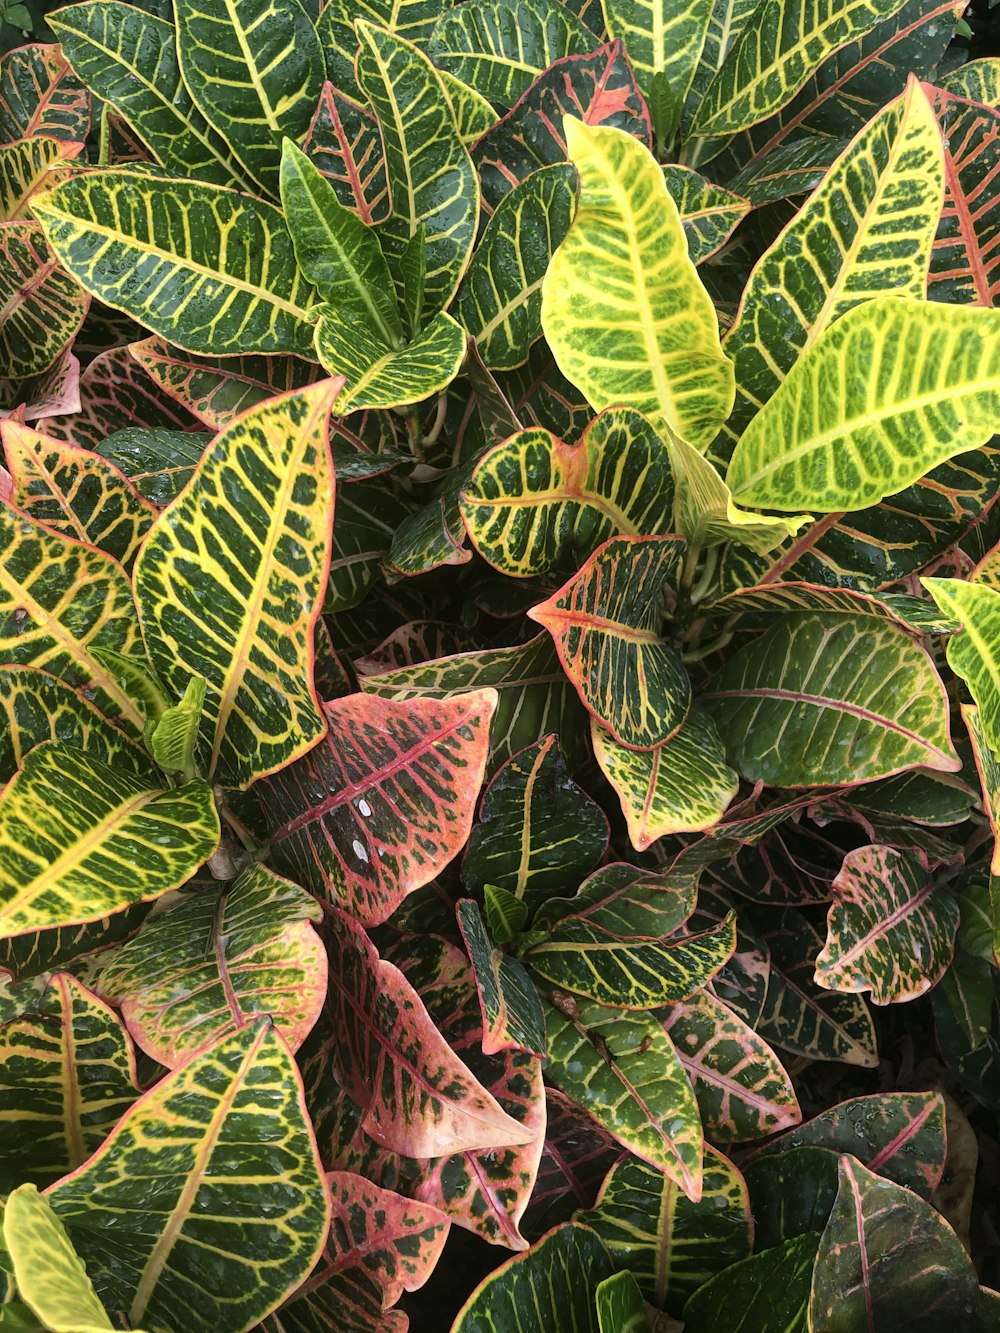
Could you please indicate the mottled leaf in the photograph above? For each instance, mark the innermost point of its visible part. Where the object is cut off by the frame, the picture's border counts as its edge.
(512, 1014)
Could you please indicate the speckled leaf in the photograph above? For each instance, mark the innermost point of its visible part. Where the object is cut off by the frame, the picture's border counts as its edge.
(768, 1290)
(891, 928)
(215, 1132)
(512, 1014)
(379, 376)
(562, 832)
(535, 503)
(67, 1075)
(80, 840)
(604, 625)
(238, 604)
(671, 1245)
(623, 1070)
(386, 802)
(41, 306)
(822, 697)
(742, 1090)
(682, 786)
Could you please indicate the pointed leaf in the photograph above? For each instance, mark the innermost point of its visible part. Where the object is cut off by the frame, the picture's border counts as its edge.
(963, 267)
(227, 1125)
(50, 1276)
(830, 440)
(975, 653)
(623, 1070)
(627, 901)
(473, 114)
(623, 308)
(173, 739)
(849, 697)
(562, 832)
(577, 1155)
(671, 1245)
(768, 1290)
(118, 234)
(213, 963)
(709, 213)
(386, 802)
(891, 928)
(512, 1014)
(378, 376)
(619, 1305)
(682, 786)
(28, 164)
(67, 1075)
(41, 307)
(412, 19)
(535, 503)
(602, 622)
(243, 614)
(343, 142)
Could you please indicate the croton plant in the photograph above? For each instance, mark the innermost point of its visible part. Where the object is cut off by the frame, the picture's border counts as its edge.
(500, 668)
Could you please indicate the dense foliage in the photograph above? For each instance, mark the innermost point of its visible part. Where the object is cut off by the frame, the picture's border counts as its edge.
(499, 667)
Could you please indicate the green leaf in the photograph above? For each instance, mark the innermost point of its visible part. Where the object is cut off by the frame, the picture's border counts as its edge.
(173, 739)
(242, 613)
(535, 503)
(886, 1256)
(80, 840)
(40, 95)
(336, 251)
(67, 1075)
(412, 19)
(832, 440)
(512, 1013)
(223, 1131)
(829, 698)
(128, 57)
(499, 47)
(975, 81)
(709, 213)
(623, 1070)
(376, 375)
(975, 653)
(586, 960)
(619, 1305)
(774, 55)
(213, 963)
(158, 463)
(562, 833)
(41, 307)
(554, 1286)
(865, 232)
(891, 928)
(602, 622)
(255, 70)
(500, 300)
(51, 1278)
(669, 1244)
(623, 308)
(627, 901)
(473, 114)
(432, 182)
(28, 165)
(663, 41)
(385, 803)
(506, 914)
(156, 248)
(682, 786)
(767, 1291)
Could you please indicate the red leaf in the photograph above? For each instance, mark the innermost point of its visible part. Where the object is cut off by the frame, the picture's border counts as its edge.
(345, 145)
(965, 261)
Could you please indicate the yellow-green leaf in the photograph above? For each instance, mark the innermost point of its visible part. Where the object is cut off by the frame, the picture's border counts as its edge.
(975, 653)
(173, 739)
(50, 1276)
(27, 164)
(378, 376)
(623, 308)
(663, 40)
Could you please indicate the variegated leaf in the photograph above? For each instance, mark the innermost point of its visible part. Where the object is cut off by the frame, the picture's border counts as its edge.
(212, 963)
(512, 1014)
(963, 265)
(41, 307)
(577, 1155)
(412, 19)
(238, 605)
(627, 902)
(377, 375)
(664, 43)
(27, 165)
(40, 94)
(768, 1290)
(891, 928)
(67, 1075)
(619, 1305)
(709, 213)
(385, 802)
(975, 653)
(343, 142)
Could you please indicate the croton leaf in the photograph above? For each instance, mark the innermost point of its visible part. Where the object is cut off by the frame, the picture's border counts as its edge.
(45, 951)
(432, 183)
(664, 43)
(563, 833)
(623, 308)
(831, 698)
(627, 901)
(623, 1070)
(385, 802)
(499, 302)
(116, 233)
(709, 213)
(975, 81)
(473, 114)
(671, 1245)
(576, 1156)
(28, 164)
(242, 612)
(343, 142)
(377, 375)
(582, 958)
(742, 1090)
(887, 1255)
(80, 840)
(682, 786)
(213, 963)
(499, 47)
(40, 94)
(67, 1075)
(832, 441)
(75, 492)
(840, 250)
(215, 1132)
(418, 1097)
(603, 624)
(512, 1013)
(963, 265)
(553, 1286)
(768, 1290)
(975, 653)
(128, 57)
(255, 70)
(891, 927)
(535, 503)
(412, 19)
(42, 307)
